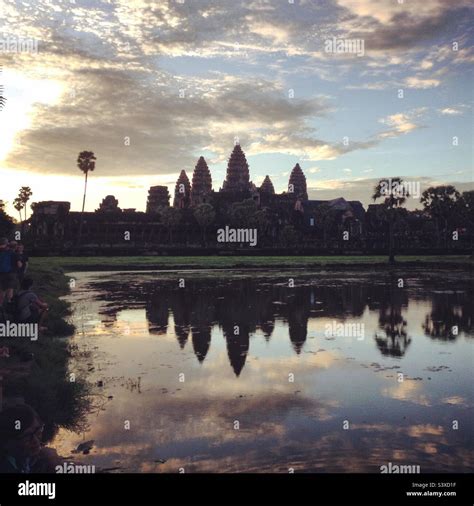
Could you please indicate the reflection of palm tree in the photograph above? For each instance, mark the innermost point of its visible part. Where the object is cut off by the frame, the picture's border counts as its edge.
(395, 340)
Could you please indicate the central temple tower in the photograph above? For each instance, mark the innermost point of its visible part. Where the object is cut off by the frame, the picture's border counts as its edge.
(238, 178)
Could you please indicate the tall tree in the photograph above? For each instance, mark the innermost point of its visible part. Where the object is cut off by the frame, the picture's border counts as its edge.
(6, 222)
(442, 204)
(394, 193)
(466, 212)
(24, 196)
(86, 163)
(205, 215)
(18, 205)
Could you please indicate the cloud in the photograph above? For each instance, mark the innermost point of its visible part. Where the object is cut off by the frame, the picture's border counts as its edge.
(108, 61)
(164, 130)
(418, 82)
(401, 123)
(450, 111)
(390, 25)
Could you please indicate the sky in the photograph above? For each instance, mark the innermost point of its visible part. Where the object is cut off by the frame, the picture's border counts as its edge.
(352, 90)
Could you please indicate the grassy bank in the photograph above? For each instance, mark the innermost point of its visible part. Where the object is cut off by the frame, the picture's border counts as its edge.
(240, 262)
(37, 372)
(50, 284)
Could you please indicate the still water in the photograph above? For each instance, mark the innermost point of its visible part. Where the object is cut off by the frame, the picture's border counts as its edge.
(219, 371)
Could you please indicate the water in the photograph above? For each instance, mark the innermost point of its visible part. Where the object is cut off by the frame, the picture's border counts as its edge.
(239, 372)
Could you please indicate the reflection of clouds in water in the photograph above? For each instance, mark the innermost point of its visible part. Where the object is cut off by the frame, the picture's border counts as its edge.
(162, 429)
(204, 439)
(455, 400)
(407, 390)
(283, 424)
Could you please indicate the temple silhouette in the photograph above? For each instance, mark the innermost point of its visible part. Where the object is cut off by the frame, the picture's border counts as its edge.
(267, 210)
(241, 309)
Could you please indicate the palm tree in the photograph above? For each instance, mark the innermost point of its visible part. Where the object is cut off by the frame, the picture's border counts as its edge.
(395, 194)
(205, 215)
(18, 205)
(85, 162)
(24, 196)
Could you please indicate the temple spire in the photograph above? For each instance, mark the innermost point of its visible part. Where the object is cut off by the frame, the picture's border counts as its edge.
(202, 183)
(182, 191)
(297, 183)
(267, 186)
(238, 177)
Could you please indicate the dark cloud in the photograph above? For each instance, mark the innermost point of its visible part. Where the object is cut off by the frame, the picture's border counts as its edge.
(407, 31)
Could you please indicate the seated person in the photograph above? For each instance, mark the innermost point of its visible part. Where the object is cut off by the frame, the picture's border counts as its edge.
(20, 442)
(30, 308)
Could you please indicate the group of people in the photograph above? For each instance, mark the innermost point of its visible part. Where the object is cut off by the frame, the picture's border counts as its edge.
(21, 449)
(16, 295)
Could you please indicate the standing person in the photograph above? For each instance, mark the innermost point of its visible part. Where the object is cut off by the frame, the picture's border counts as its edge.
(8, 266)
(21, 257)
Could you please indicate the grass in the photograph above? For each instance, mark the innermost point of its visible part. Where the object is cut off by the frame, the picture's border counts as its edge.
(45, 382)
(229, 262)
(50, 284)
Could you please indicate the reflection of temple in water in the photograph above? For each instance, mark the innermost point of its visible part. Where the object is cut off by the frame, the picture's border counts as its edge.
(244, 307)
